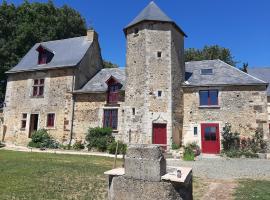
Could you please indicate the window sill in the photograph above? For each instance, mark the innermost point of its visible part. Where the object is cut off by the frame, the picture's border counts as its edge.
(37, 97)
(50, 128)
(210, 107)
(112, 105)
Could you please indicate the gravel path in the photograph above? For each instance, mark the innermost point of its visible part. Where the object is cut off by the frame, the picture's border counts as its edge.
(222, 168)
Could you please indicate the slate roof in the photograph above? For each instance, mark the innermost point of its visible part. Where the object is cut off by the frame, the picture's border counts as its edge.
(67, 53)
(152, 13)
(98, 82)
(263, 74)
(223, 74)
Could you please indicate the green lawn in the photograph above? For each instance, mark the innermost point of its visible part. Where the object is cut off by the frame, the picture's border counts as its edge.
(52, 176)
(253, 189)
(37, 176)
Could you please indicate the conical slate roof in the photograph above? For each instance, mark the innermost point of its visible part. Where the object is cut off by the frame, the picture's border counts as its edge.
(152, 13)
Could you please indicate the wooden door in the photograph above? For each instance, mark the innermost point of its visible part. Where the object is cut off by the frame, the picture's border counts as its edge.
(210, 138)
(160, 135)
(33, 124)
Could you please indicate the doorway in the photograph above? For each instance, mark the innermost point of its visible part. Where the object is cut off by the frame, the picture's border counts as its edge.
(210, 138)
(160, 135)
(33, 124)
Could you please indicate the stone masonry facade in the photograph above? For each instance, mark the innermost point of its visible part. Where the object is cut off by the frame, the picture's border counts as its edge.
(147, 74)
(244, 107)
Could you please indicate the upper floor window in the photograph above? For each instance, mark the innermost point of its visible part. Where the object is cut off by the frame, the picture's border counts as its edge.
(110, 118)
(206, 71)
(208, 97)
(38, 87)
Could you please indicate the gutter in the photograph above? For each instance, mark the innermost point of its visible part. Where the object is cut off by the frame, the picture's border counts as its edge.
(72, 110)
(215, 85)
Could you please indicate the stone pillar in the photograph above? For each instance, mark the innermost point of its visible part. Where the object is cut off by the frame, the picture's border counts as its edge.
(144, 177)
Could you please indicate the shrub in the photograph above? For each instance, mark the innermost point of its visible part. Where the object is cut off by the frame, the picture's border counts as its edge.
(122, 148)
(99, 138)
(78, 145)
(190, 151)
(258, 144)
(230, 140)
(235, 147)
(41, 139)
(175, 146)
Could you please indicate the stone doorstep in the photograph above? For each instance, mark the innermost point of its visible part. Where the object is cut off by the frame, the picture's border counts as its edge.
(171, 176)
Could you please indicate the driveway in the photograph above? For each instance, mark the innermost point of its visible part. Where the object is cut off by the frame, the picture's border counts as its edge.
(222, 168)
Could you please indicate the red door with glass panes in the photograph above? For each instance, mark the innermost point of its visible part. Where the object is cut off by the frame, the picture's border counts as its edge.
(210, 138)
(160, 135)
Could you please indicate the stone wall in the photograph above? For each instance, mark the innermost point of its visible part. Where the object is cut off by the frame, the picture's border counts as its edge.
(177, 73)
(245, 107)
(147, 74)
(19, 100)
(89, 109)
(90, 64)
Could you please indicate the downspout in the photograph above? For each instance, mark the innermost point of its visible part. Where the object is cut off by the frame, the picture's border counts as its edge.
(72, 110)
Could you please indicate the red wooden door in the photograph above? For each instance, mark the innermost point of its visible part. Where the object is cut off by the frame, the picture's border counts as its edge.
(210, 138)
(160, 134)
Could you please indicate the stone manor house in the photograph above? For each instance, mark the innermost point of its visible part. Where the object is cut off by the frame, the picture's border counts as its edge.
(158, 98)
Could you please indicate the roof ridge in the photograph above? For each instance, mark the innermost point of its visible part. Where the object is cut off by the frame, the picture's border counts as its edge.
(59, 40)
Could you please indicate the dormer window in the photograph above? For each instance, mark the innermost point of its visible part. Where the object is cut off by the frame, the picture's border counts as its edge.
(206, 71)
(44, 55)
(42, 58)
(113, 91)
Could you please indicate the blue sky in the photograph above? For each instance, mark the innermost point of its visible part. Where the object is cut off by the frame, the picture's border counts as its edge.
(240, 25)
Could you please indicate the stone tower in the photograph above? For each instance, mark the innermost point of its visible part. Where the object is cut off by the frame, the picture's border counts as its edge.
(155, 69)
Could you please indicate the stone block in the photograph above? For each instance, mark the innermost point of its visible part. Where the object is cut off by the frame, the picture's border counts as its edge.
(150, 170)
(145, 163)
(123, 188)
(144, 151)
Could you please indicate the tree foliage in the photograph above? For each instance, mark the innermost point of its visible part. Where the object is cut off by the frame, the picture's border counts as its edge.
(108, 64)
(210, 53)
(29, 23)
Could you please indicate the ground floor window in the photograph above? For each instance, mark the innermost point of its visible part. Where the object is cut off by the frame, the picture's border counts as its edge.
(23, 122)
(110, 118)
(50, 120)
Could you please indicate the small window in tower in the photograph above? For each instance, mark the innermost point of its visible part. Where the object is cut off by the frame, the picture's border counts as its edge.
(133, 111)
(159, 54)
(159, 93)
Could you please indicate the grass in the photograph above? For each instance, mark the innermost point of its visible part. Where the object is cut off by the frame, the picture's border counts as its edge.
(52, 176)
(253, 189)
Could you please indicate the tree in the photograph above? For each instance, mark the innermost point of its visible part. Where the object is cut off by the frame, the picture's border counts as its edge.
(108, 64)
(210, 53)
(244, 68)
(23, 26)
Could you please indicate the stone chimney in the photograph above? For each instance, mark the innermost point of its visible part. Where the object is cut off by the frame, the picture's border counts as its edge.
(91, 35)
